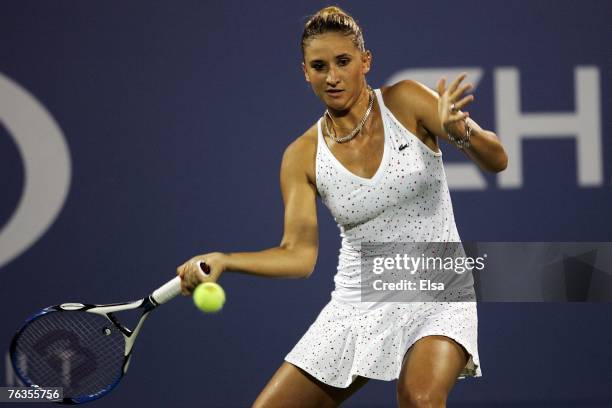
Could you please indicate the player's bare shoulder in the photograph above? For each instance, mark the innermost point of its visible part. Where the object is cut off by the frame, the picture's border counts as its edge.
(401, 99)
(410, 102)
(406, 98)
(300, 155)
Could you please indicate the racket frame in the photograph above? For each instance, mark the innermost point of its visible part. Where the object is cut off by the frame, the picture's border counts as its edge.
(158, 297)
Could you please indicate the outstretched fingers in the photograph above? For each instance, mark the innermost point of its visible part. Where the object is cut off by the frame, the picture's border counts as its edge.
(453, 86)
(441, 86)
(458, 93)
(466, 100)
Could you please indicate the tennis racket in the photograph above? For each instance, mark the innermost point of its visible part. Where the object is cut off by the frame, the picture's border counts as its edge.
(83, 348)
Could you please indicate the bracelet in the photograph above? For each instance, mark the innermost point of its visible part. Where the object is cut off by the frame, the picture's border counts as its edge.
(464, 142)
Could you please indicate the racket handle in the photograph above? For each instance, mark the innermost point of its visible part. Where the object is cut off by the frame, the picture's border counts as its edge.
(167, 291)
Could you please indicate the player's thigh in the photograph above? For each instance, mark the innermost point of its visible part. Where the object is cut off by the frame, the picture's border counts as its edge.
(431, 369)
(292, 387)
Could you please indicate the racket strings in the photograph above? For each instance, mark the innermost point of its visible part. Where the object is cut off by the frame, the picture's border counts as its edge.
(79, 351)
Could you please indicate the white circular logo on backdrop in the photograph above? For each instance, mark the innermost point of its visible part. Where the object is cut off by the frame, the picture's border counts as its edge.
(46, 161)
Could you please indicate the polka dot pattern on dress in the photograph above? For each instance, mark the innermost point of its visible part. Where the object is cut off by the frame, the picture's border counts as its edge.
(407, 200)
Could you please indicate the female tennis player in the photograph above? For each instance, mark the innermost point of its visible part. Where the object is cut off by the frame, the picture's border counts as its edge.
(374, 160)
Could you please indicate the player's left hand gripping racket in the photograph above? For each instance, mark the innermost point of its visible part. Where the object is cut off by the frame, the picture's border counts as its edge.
(83, 348)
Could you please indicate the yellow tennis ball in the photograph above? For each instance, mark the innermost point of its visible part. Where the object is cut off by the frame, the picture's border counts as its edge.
(209, 297)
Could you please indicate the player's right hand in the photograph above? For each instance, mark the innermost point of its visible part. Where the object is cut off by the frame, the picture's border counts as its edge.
(199, 269)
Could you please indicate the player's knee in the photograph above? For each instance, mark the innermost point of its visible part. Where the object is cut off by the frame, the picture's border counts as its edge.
(412, 397)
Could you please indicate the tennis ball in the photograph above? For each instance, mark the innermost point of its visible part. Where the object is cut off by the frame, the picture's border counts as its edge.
(209, 297)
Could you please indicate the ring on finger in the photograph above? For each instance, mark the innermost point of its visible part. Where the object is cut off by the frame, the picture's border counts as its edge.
(453, 108)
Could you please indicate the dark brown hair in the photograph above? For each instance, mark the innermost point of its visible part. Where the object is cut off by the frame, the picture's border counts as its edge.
(336, 20)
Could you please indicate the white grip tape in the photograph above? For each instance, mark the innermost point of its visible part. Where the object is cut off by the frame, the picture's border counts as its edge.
(167, 291)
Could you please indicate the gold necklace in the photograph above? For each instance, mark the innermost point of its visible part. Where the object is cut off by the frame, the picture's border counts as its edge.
(353, 133)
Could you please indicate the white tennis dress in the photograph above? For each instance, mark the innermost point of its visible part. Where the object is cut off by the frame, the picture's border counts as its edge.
(407, 200)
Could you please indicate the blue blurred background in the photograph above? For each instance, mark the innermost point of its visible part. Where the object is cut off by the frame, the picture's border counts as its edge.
(163, 134)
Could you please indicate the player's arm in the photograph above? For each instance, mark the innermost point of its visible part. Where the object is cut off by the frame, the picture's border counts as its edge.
(296, 255)
(432, 113)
